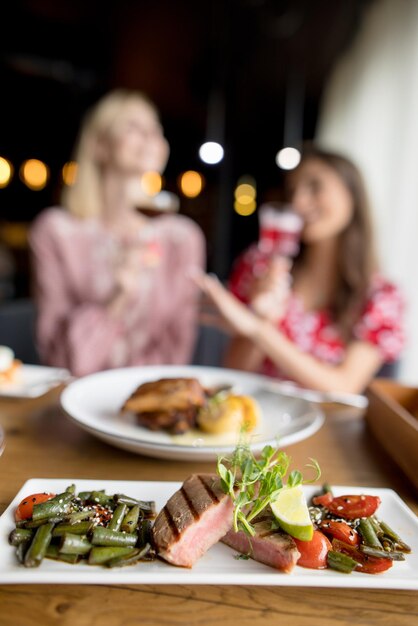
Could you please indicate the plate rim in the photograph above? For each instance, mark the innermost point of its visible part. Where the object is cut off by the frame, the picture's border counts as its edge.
(59, 375)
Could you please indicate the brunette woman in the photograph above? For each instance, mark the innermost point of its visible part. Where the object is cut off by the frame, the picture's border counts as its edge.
(334, 318)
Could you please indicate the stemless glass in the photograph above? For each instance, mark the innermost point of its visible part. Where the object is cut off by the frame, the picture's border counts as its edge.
(280, 230)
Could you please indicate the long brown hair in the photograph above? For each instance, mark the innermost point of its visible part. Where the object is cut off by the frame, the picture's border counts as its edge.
(356, 256)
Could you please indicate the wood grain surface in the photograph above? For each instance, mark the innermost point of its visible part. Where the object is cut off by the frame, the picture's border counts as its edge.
(42, 442)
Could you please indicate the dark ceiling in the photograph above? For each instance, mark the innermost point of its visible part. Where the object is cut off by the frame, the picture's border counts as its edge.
(58, 57)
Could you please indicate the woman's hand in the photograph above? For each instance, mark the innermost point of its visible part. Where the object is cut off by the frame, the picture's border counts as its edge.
(269, 293)
(126, 282)
(236, 317)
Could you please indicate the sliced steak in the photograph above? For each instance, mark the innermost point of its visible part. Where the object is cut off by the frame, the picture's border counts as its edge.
(193, 520)
(270, 546)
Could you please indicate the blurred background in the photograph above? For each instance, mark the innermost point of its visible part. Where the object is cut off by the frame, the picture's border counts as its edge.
(255, 76)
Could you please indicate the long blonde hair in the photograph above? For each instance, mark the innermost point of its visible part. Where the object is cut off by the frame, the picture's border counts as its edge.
(83, 198)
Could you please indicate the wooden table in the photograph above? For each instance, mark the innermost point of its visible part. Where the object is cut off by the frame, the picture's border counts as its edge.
(42, 442)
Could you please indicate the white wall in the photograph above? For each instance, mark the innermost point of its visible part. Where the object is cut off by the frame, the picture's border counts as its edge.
(370, 112)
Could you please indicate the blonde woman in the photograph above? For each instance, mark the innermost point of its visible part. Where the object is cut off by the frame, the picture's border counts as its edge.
(111, 285)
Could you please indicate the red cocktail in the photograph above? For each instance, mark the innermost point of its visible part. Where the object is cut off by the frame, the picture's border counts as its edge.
(280, 230)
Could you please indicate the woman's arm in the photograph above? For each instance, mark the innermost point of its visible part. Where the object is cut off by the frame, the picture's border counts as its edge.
(361, 362)
(267, 296)
(352, 375)
(243, 354)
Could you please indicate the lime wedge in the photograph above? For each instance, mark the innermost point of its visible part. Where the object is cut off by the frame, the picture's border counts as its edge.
(291, 511)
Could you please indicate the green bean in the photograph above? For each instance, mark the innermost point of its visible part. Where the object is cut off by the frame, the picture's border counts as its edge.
(74, 544)
(37, 548)
(105, 537)
(82, 528)
(20, 535)
(341, 562)
(52, 552)
(64, 528)
(78, 516)
(117, 517)
(388, 532)
(84, 496)
(144, 533)
(326, 488)
(100, 554)
(130, 521)
(56, 519)
(376, 526)
(21, 551)
(143, 505)
(382, 554)
(53, 507)
(368, 533)
(100, 497)
(129, 559)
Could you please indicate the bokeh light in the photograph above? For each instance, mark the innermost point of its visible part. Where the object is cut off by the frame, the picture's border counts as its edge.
(6, 172)
(69, 173)
(151, 183)
(245, 209)
(35, 174)
(245, 196)
(191, 183)
(211, 152)
(245, 190)
(288, 158)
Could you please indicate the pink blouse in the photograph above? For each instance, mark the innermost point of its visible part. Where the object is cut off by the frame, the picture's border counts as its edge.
(74, 271)
(314, 332)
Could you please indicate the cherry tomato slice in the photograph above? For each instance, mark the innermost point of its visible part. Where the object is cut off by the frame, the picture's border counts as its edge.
(25, 508)
(323, 500)
(366, 564)
(313, 554)
(337, 529)
(352, 507)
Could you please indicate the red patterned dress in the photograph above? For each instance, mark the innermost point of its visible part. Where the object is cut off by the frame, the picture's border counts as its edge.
(314, 332)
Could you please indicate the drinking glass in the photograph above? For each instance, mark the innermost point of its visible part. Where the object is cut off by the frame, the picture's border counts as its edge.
(280, 230)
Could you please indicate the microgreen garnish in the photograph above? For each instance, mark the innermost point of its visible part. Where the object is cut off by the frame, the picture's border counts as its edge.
(242, 557)
(253, 484)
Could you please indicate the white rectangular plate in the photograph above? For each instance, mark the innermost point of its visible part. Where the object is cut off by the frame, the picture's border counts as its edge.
(218, 566)
(35, 380)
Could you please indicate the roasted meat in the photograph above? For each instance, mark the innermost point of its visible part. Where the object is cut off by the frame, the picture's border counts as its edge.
(193, 520)
(167, 404)
(175, 422)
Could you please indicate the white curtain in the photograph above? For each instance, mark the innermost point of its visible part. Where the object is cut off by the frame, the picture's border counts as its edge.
(370, 113)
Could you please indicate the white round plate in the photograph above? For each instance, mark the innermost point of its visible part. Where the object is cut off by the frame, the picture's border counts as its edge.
(94, 403)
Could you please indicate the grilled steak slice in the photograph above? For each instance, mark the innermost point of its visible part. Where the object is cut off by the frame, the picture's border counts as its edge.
(270, 546)
(166, 395)
(193, 520)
